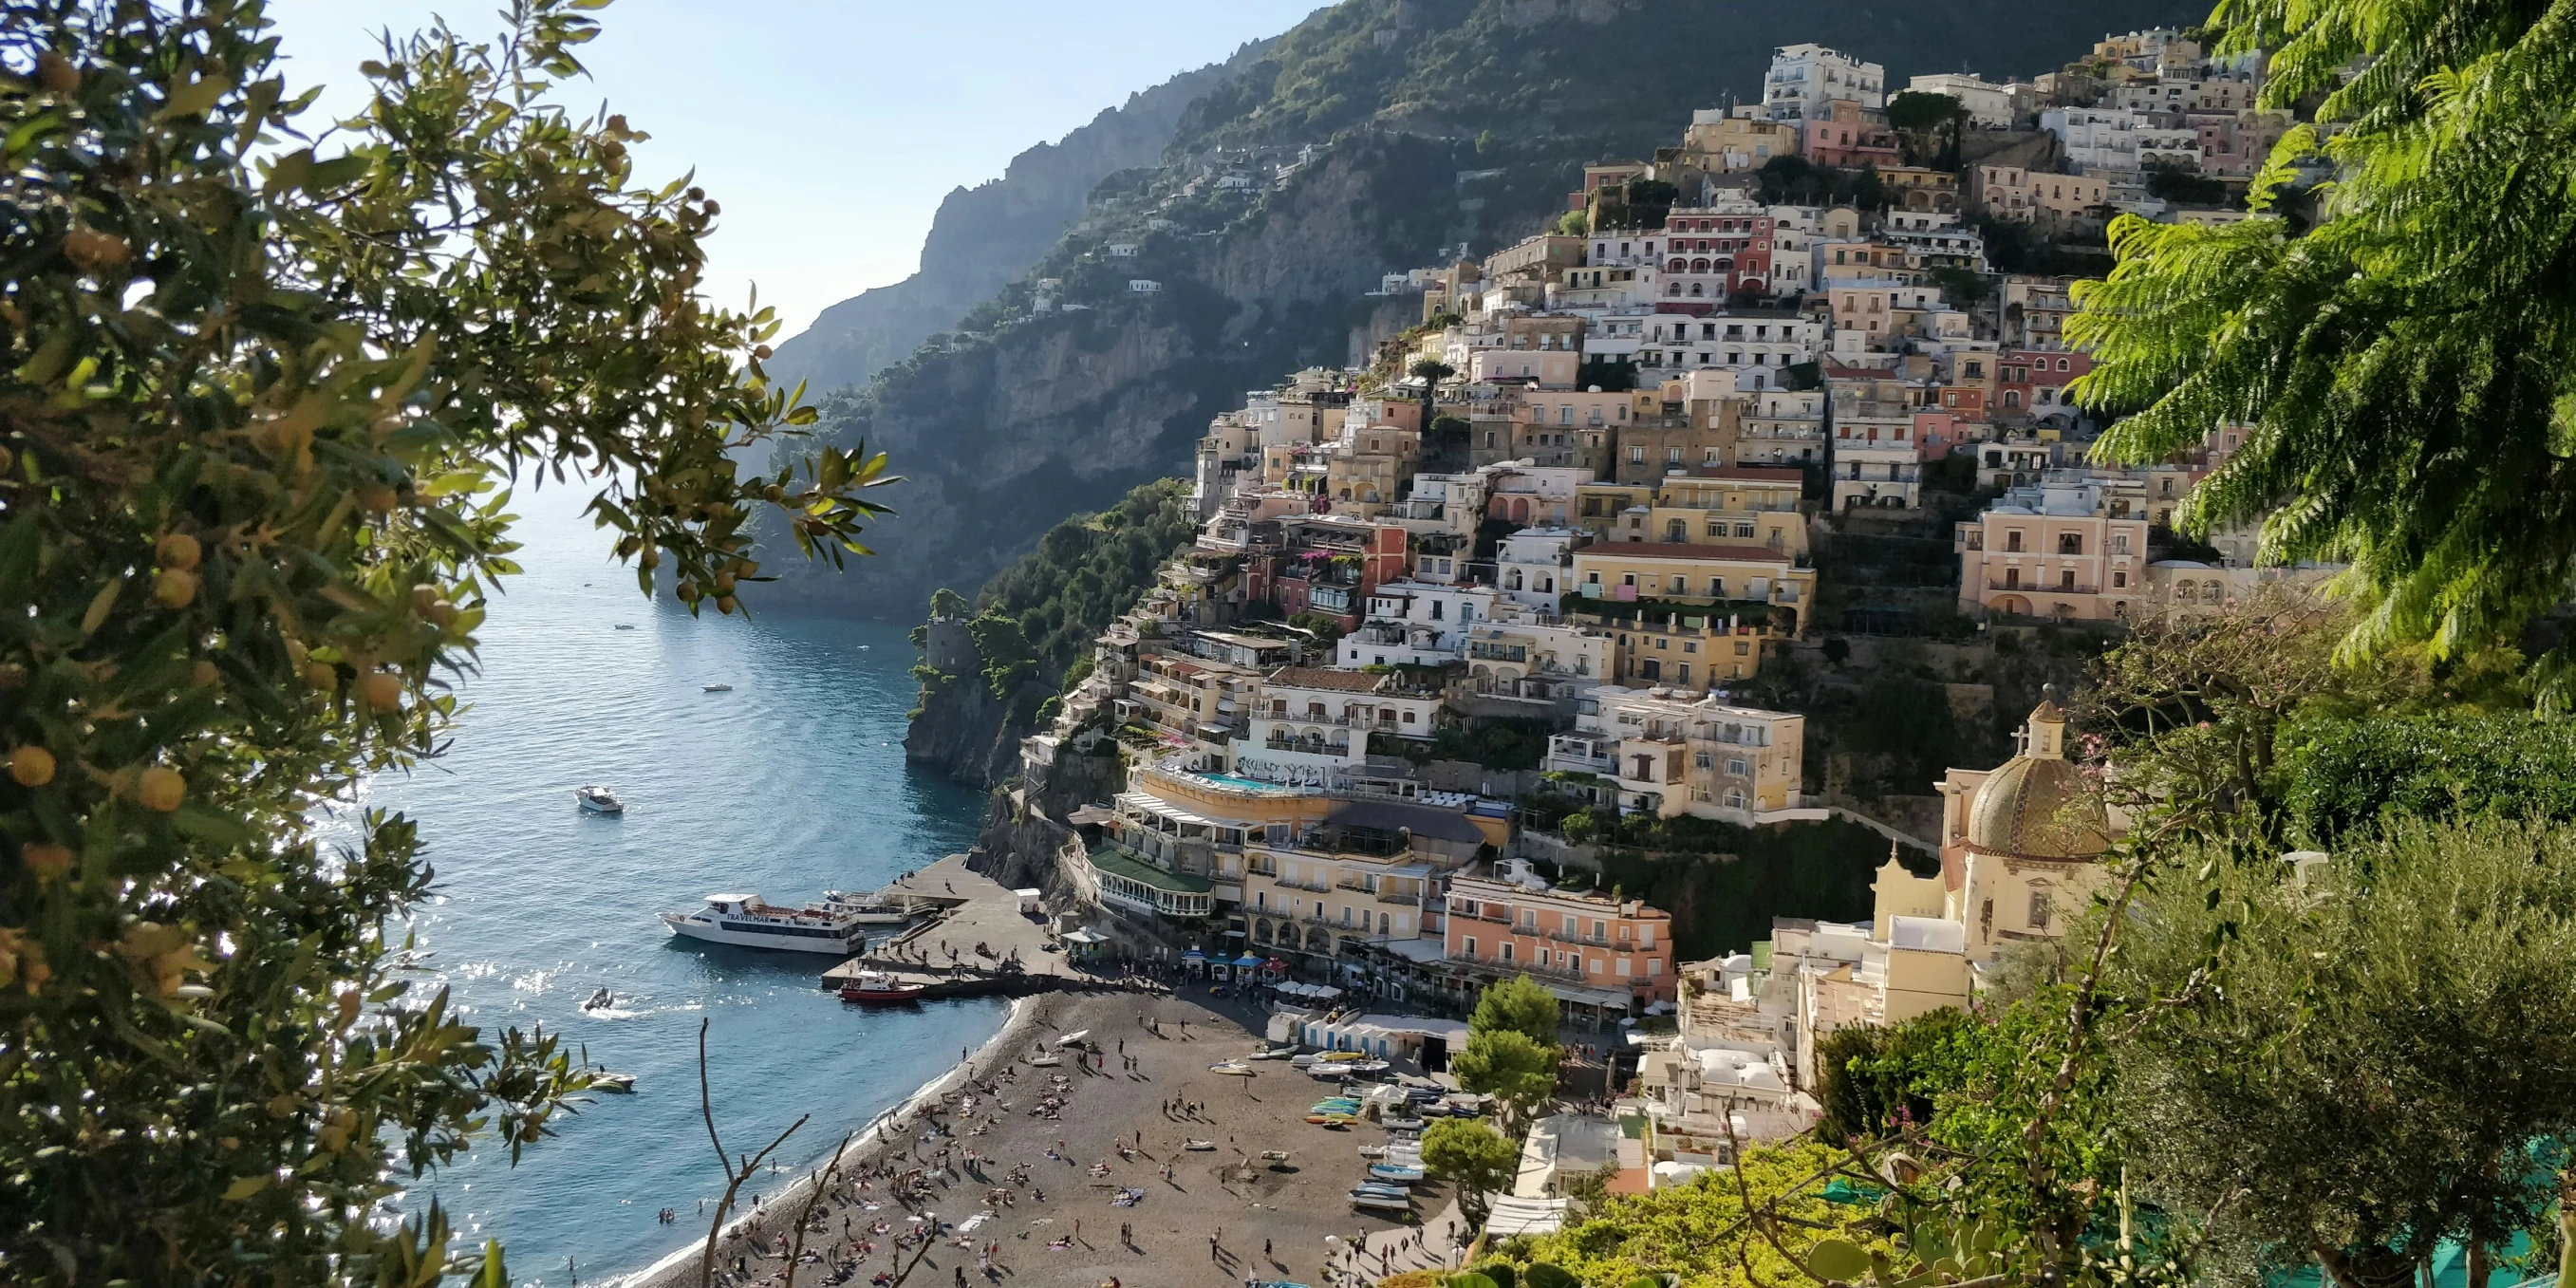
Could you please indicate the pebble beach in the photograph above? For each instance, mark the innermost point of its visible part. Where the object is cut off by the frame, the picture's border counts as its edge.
(1129, 1162)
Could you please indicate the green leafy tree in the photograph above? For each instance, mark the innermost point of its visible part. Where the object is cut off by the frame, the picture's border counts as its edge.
(2404, 365)
(1520, 1004)
(2375, 1056)
(1929, 125)
(255, 420)
(1004, 647)
(1430, 371)
(1508, 1065)
(1471, 1156)
(946, 604)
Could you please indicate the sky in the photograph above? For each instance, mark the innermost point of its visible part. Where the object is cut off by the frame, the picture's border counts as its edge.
(829, 130)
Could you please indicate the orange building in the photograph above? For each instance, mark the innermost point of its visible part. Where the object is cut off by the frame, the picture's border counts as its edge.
(1596, 954)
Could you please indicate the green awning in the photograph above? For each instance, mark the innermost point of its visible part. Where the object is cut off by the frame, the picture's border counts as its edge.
(1118, 862)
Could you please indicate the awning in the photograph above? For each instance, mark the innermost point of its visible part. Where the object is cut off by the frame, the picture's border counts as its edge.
(1510, 1216)
(1194, 955)
(1247, 960)
(1589, 996)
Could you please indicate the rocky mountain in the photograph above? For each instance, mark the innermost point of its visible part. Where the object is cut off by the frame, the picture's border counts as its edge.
(985, 236)
(1376, 136)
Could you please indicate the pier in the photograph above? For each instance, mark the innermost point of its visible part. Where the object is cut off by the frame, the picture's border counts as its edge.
(978, 943)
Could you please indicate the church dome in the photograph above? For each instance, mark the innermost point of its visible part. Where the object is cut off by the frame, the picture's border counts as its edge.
(2036, 806)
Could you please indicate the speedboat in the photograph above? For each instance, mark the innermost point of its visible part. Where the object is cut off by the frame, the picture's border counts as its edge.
(1382, 1191)
(616, 1084)
(626, 626)
(1074, 1038)
(745, 921)
(597, 799)
(1361, 1198)
(874, 988)
(600, 999)
(1393, 1173)
(718, 688)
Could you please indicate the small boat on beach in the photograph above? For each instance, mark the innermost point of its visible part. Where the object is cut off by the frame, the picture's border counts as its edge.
(1074, 1038)
(1232, 1069)
(1360, 1198)
(1392, 1173)
(1198, 1146)
(1047, 1061)
(873, 988)
(597, 799)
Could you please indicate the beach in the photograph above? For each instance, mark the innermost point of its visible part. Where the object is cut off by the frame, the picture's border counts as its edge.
(1035, 1204)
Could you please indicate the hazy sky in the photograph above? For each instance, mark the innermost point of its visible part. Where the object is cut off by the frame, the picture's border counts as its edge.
(830, 129)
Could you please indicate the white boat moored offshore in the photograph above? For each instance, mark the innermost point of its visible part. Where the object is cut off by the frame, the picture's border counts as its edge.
(599, 800)
(744, 921)
(718, 687)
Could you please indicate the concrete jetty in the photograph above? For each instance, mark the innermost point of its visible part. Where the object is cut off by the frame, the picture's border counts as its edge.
(978, 943)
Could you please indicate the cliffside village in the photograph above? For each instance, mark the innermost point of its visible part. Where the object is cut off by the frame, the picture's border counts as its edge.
(1660, 402)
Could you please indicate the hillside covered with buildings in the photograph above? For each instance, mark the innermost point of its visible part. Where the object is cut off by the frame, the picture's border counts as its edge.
(1581, 587)
(1377, 136)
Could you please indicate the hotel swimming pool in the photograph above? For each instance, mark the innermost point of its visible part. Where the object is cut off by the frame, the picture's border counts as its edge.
(1241, 784)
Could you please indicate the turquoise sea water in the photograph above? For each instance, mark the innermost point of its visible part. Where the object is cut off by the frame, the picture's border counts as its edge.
(792, 783)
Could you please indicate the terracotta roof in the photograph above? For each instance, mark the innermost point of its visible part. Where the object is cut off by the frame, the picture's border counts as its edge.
(1324, 677)
(1683, 550)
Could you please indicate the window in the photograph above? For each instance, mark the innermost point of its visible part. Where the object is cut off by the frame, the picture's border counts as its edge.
(2012, 541)
(1636, 456)
(2066, 579)
(2039, 909)
(2070, 543)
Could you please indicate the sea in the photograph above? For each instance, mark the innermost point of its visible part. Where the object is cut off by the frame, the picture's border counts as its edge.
(792, 783)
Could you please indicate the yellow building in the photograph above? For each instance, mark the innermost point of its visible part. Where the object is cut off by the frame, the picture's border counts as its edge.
(1713, 575)
(1728, 504)
(2021, 845)
(1364, 875)
(1671, 755)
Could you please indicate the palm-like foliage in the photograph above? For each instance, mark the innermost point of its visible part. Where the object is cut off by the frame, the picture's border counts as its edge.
(2408, 367)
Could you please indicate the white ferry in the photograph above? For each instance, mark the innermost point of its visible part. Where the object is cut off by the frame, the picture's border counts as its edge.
(744, 921)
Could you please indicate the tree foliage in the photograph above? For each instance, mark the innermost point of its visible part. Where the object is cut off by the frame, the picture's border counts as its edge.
(1519, 1004)
(2403, 367)
(2380, 1056)
(1088, 570)
(1472, 1156)
(254, 422)
(1508, 1065)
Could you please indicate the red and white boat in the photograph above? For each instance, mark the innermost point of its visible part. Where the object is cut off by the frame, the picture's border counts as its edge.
(874, 989)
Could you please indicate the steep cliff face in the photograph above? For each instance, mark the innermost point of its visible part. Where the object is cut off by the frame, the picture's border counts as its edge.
(987, 235)
(998, 436)
(968, 734)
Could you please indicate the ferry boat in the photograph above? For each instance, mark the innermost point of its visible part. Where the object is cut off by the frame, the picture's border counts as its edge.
(599, 800)
(744, 921)
(873, 988)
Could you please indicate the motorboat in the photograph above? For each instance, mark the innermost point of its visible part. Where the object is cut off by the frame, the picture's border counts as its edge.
(717, 688)
(1232, 1069)
(1403, 1124)
(597, 799)
(1196, 1145)
(599, 1000)
(615, 1084)
(1383, 1191)
(1362, 1198)
(1269, 1053)
(626, 626)
(1364, 1068)
(746, 921)
(876, 988)
(1073, 1039)
(1393, 1173)
(1306, 1061)
(1046, 1061)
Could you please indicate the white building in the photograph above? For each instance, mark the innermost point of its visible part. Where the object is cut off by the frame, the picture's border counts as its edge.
(1781, 428)
(1530, 567)
(2098, 141)
(1684, 342)
(1805, 77)
(1990, 106)
(1416, 623)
